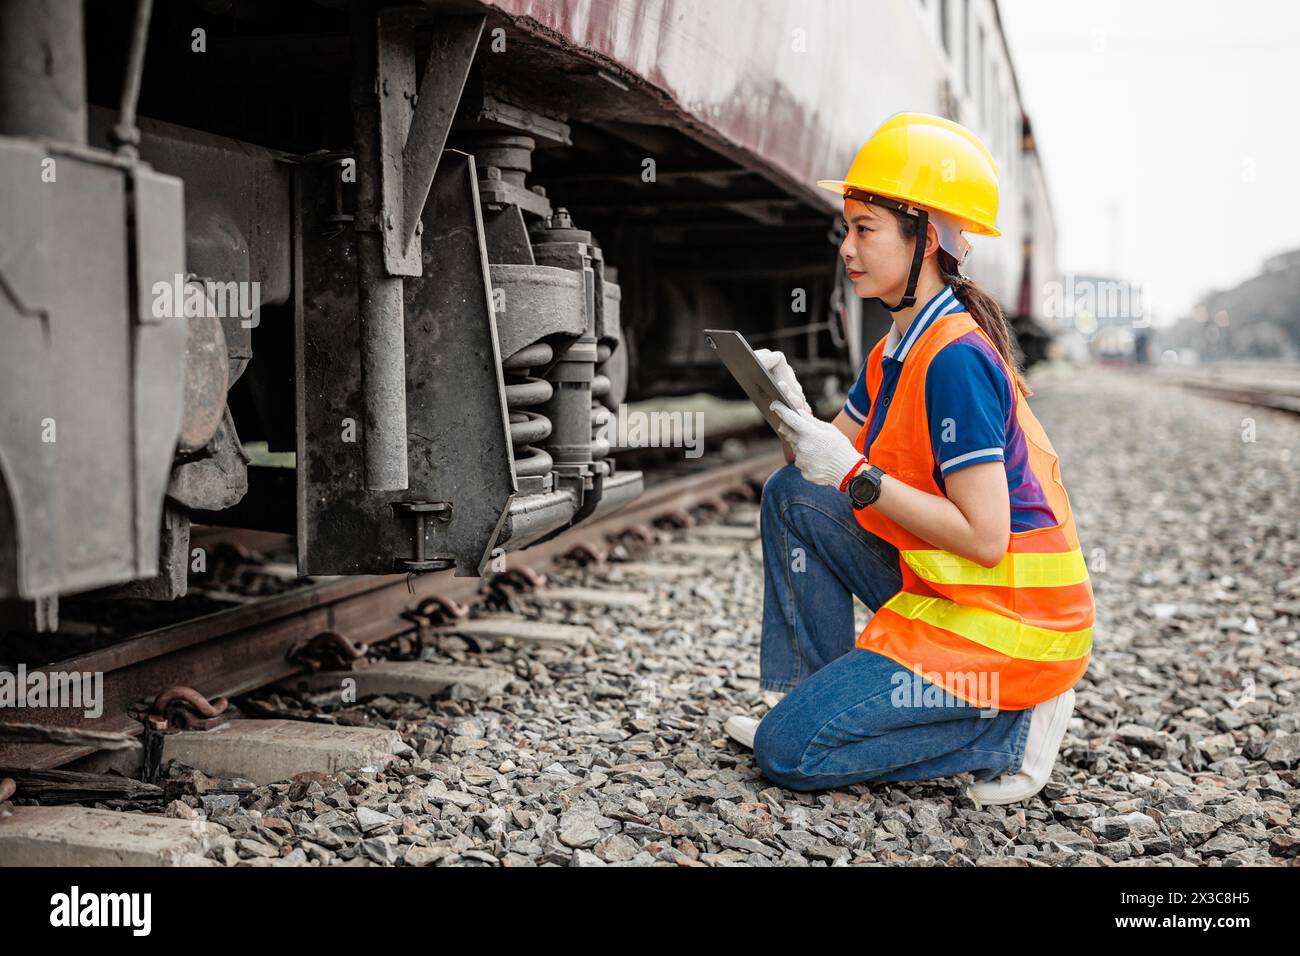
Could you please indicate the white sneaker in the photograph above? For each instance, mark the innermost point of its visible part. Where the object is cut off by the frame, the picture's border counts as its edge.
(1046, 729)
(741, 729)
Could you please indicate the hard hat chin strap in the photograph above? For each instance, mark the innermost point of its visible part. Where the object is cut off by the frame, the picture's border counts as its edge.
(922, 218)
(918, 254)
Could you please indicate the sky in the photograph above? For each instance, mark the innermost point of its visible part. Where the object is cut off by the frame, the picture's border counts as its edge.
(1170, 136)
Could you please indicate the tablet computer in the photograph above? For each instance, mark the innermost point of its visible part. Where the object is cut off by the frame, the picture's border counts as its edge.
(746, 369)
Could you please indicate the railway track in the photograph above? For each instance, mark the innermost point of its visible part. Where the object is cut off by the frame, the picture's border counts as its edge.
(1262, 388)
(610, 751)
(237, 650)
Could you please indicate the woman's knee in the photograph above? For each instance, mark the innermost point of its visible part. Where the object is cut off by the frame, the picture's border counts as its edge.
(780, 484)
(780, 757)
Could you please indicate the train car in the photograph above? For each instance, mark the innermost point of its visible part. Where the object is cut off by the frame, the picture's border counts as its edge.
(376, 274)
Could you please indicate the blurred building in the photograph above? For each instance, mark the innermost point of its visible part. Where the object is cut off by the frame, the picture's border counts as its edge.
(1257, 319)
(1102, 318)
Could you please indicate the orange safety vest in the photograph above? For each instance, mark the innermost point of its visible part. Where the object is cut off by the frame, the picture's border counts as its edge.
(1005, 637)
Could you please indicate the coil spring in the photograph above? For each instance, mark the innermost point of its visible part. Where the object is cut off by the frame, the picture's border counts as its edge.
(524, 390)
(600, 386)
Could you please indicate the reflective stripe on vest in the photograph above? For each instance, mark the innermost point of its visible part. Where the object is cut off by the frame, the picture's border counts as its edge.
(1009, 636)
(1013, 571)
(995, 631)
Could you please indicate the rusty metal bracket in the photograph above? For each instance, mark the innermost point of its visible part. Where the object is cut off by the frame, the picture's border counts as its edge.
(432, 612)
(521, 578)
(330, 651)
(414, 125)
(180, 708)
(591, 552)
(435, 610)
(343, 527)
(678, 518)
(714, 503)
(642, 532)
(501, 588)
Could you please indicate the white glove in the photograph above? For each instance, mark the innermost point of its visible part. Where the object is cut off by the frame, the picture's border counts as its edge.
(822, 453)
(784, 377)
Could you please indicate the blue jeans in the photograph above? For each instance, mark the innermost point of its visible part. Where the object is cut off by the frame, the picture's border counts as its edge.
(849, 714)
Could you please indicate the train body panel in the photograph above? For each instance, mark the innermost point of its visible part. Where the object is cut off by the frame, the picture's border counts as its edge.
(740, 71)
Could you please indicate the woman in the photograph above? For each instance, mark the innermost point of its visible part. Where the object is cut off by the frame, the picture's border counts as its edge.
(935, 497)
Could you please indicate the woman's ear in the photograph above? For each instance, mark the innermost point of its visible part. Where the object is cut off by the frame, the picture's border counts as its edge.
(931, 239)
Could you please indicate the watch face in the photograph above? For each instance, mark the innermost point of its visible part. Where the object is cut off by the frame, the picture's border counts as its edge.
(863, 490)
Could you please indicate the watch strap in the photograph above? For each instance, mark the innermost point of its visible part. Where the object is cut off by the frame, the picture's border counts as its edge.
(852, 471)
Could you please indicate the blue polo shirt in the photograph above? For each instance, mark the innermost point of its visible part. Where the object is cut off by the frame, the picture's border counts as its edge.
(969, 403)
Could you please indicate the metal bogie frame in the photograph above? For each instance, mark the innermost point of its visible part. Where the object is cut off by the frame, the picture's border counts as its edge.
(378, 297)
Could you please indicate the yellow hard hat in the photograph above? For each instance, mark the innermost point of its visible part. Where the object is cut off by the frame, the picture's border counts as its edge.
(931, 162)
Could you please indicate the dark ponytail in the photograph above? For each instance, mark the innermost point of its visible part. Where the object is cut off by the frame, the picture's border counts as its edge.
(983, 308)
(988, 315)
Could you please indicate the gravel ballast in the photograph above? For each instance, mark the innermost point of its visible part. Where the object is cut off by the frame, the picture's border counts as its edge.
(1182, 750)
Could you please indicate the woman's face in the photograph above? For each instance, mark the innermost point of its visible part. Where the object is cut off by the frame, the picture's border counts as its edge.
(874, 252)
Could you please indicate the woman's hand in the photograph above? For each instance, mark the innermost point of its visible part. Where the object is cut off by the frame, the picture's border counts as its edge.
(822, 453)
(973, 520)
(785, 378)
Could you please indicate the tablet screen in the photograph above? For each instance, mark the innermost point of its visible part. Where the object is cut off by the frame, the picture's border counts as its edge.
(746, 369)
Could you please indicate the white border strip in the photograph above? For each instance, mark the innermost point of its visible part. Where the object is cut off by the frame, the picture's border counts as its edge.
(973, 454)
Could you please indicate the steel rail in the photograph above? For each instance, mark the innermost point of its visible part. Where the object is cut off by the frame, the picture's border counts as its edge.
(238, 650)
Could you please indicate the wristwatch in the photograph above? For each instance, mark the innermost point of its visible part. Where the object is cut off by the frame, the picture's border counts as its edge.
(864, 487)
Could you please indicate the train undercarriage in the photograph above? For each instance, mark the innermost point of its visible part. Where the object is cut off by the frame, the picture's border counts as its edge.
(377, 275)
(374, 275)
